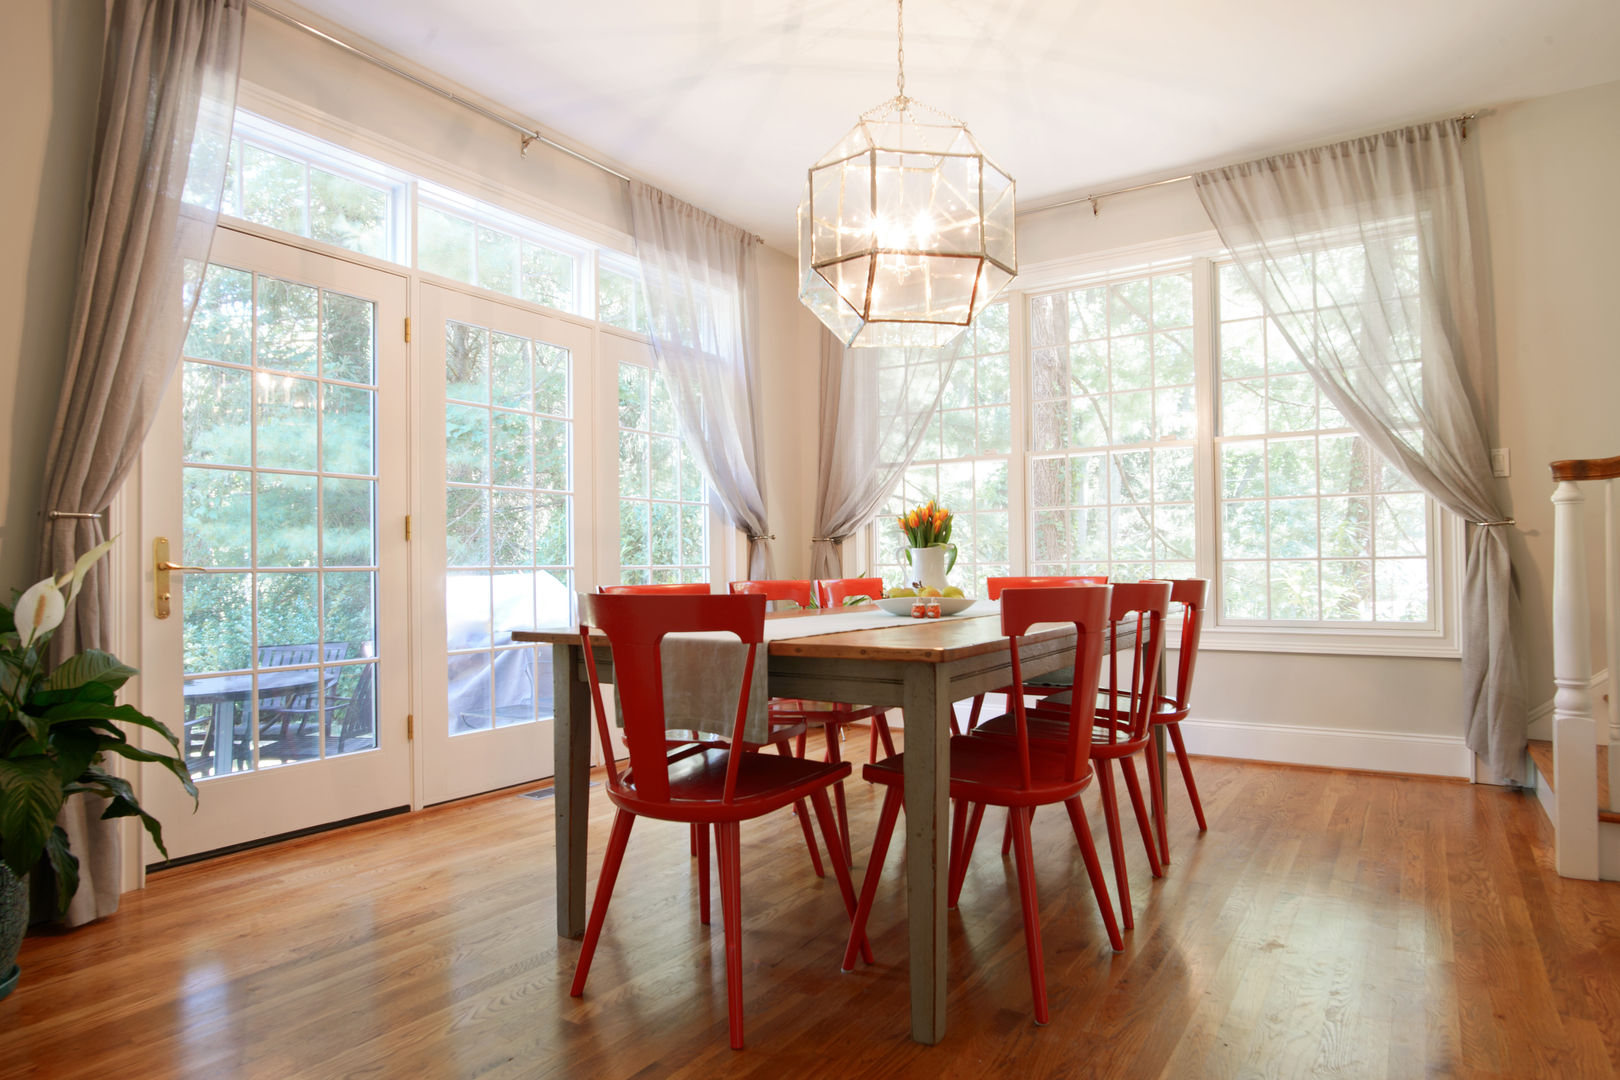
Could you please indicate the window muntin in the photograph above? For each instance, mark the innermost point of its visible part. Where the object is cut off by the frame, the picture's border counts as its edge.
(1313, 526)
(964, 462)
(1115, 421)
(663, 504)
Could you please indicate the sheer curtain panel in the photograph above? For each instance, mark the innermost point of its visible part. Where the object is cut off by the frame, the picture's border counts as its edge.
(163, 133)
(875, 408)
(702, 299)
(1368, 256)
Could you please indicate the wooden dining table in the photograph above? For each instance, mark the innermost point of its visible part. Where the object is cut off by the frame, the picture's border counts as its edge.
(922, 668)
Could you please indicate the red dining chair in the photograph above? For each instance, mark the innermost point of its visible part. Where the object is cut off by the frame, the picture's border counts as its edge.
(1123, 726)
(832, 593)
(781, 734)
(1056, 679)
(1169, 711)
(701, 784)
(1018, 772)
(688, 588)
(831, 716)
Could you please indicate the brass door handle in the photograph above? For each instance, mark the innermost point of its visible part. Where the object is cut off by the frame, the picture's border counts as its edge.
(162, 568)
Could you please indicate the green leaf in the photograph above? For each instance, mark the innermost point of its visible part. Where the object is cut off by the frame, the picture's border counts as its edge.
(90, 666)
(30, 796)
(126, 714)
(75, 750)
(173, 764)
(66, 866)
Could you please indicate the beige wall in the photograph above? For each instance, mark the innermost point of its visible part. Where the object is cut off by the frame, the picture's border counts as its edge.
(1550, 188)
(50, 62)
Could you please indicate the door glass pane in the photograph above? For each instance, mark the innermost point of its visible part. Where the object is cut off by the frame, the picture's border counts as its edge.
(279, 484)
(509, 491)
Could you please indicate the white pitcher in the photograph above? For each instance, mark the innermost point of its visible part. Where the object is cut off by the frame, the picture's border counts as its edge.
(929, 565)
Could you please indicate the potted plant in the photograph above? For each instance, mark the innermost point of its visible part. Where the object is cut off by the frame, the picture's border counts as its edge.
(56, 728)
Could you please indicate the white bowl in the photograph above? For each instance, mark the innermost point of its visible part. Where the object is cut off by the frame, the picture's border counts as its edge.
(948, 605)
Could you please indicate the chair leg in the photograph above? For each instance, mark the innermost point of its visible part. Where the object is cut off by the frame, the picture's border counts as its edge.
(973, 714)
(1099, 884)
(617, 841)
(1186, 774)
(1143, 824)
(846, 887)
(1024, 860)
(798, 750)
(803, 813)
(1160, 823)
(1116, 841)
(727, 838)
(893, 797)
(1007, 832)
(834, 756)
(880, 725)
(968, 841)
(691, 839)
(703, 873)
(958, 856)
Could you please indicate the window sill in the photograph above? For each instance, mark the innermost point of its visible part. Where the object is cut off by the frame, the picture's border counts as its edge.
(1433, 644)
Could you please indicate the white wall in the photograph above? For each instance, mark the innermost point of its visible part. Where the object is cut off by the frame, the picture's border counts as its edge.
(1550, 170)
(50, 64)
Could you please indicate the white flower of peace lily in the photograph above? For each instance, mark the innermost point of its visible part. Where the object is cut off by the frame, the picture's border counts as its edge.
(39, 611)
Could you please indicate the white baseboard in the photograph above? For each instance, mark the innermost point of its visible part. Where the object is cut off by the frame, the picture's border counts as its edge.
(1541, 715)
(1376, 751)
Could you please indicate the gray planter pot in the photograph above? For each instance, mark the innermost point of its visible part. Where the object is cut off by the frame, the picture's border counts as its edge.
(13, 922)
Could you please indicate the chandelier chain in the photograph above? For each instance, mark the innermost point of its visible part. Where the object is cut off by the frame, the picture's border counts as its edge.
(900, 52)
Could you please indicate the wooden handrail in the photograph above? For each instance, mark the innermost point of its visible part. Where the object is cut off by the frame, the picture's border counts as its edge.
(1607, 468)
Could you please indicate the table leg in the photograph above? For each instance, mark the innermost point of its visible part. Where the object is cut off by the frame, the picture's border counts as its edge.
(926, 705)
(225, 736)
(571, 735)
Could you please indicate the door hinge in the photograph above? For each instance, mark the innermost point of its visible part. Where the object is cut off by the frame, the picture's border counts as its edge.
(410, 727)
(407, 527)
(407, 329)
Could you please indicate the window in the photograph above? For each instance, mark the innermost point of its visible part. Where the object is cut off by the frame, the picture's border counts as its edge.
(964, 462)
(618, 295)
(480, 244)
(285, 180)
(1174, 432)
(509, 440)
(1115, 416)
(1314, 527)
(663, 510)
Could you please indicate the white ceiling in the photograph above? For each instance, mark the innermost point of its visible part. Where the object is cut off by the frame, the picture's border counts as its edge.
(726, 102)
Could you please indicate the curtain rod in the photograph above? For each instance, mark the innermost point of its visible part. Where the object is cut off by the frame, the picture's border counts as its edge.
(1093, 199)
(527, 134)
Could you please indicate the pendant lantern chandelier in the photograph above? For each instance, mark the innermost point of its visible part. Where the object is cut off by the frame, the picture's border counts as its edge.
(906, 227)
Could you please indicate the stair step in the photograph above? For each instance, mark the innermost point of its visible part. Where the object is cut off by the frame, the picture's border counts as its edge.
(1541, 752)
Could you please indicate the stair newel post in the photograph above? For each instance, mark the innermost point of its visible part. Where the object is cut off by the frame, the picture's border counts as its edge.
(1574, 731)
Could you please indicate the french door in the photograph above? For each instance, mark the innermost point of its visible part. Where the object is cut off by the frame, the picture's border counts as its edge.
(276, 473)
(506, 394)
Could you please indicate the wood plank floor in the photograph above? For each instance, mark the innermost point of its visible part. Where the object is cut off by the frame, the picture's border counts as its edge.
(1329, 924)
(1541, 752)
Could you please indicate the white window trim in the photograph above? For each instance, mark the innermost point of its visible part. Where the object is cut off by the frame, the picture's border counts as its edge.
(1439, 639)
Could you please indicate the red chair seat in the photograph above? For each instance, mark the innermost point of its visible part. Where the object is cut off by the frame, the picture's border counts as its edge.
(979, 772)
(765, 782)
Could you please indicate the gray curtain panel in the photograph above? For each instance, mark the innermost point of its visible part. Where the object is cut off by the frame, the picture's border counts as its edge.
(702, 299)
(168, 93)
(1368, 257)
(876, 405)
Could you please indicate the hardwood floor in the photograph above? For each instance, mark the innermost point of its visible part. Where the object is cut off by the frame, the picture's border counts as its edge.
(1329, 924)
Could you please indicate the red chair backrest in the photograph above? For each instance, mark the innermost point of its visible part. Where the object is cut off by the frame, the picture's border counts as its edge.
(1145, 603)
(695, 588)
(1189, 593)
(830, 594)
(796, 591)
(1087, 607)
(636, 625)
(994, 585)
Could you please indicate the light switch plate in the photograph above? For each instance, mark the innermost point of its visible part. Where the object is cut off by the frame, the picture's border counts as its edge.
(1500, 465)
